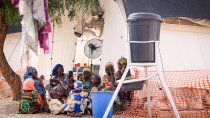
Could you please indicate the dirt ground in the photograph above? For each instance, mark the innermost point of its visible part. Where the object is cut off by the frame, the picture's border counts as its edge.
(8, 109)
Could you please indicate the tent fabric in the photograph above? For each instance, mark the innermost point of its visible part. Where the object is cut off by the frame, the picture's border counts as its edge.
(63, 50)
(203, 22)
(182, 47)
(114, 34)
(170, 8)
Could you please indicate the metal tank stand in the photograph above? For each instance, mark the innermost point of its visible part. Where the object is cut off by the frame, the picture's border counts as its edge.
(158, 65)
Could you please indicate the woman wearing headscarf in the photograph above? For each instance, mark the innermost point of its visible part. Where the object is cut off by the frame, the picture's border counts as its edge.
(31, 73)
(62, 78)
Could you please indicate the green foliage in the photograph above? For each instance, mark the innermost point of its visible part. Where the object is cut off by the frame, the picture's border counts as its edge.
(10, 13)
(57, 8)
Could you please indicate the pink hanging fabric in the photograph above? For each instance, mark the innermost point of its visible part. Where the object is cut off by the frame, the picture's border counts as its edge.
(15, 2)
(44, 31)
(1, 3)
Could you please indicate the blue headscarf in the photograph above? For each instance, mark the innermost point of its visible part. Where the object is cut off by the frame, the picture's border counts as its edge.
(78, 85)
(40, 89)
(27, 73)
(54, 71)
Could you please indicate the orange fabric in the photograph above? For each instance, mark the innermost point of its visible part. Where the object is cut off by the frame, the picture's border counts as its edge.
(39, 97)
(190, 90)
(28, 84)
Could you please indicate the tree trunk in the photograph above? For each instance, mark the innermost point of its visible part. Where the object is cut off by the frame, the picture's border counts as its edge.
(9, 75)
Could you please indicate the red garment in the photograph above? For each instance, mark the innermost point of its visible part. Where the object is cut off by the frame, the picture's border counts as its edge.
(106, 81)
(39, 98)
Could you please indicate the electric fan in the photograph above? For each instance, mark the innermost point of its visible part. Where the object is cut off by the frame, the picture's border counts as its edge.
(93, 49)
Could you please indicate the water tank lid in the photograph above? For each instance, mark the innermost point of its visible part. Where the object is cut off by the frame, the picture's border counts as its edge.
(144, 15)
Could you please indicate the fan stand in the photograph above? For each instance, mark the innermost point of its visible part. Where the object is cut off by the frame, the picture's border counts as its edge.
(91, 62)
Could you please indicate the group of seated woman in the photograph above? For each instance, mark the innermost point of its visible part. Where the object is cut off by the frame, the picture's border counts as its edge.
(65, 94)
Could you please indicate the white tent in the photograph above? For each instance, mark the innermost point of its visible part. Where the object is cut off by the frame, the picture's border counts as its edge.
(182, 47)
(63, 50)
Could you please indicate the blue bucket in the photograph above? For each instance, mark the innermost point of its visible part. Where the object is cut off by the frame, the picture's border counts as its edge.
(100, 101)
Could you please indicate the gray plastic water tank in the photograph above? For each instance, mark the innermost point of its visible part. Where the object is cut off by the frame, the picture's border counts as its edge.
(143, 27)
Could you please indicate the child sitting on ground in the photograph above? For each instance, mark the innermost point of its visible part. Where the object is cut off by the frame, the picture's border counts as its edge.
(77, 101)
(29, 101)
(56, 103)
(87, 80)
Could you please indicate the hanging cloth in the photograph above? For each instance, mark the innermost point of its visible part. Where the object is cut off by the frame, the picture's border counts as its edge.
(44, 31)
(1, 3)
(33, 19)
(15, 2)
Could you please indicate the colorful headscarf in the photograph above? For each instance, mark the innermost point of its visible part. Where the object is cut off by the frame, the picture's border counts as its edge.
(54, 71)
(78, 85)
(122, 61)
(28, 84)
(28, 74)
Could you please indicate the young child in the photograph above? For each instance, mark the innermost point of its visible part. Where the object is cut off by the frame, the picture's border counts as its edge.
(109, 84)
(29, 101)
(108, 78)
(96, 82)
(77, 101)
(56, 103)
(87, 80)
(80, 77)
